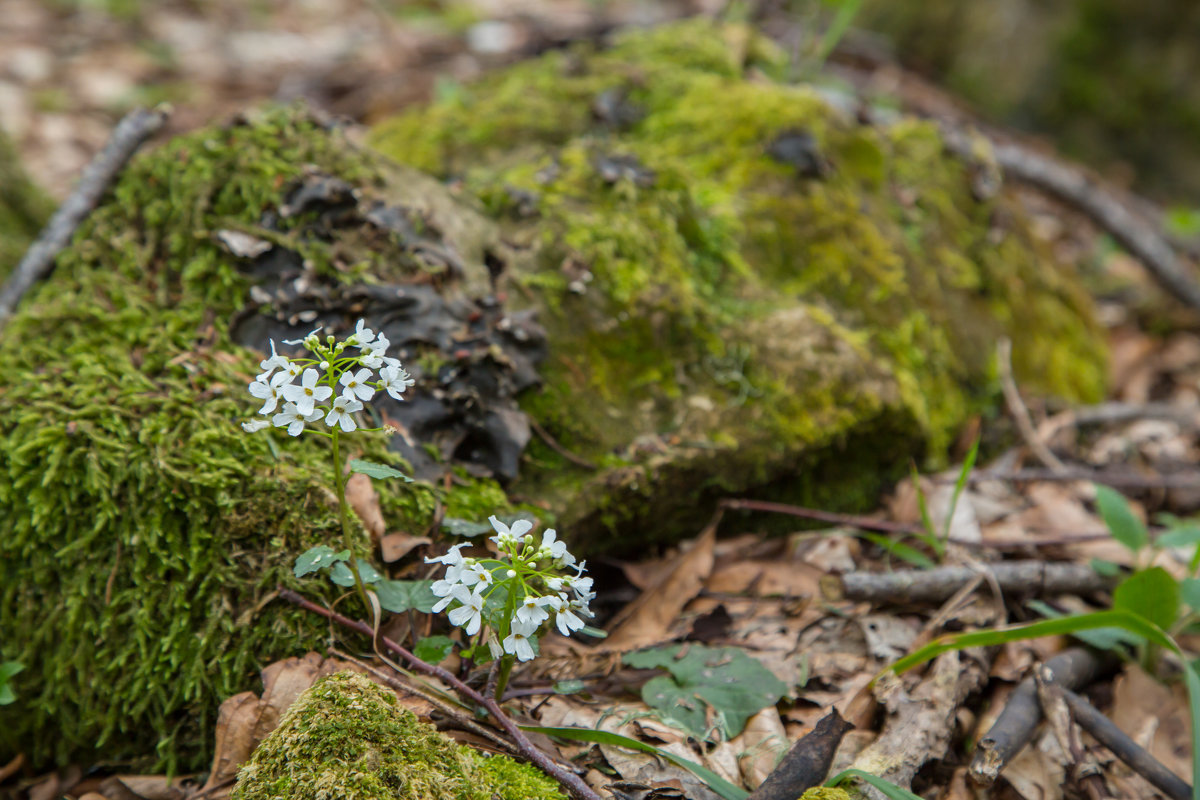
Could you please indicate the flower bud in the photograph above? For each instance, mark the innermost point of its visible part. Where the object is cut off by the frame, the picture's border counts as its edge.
(512, 573)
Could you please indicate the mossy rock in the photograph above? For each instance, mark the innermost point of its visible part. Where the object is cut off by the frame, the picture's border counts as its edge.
(739, 290)
(348, 737)
(24, 208)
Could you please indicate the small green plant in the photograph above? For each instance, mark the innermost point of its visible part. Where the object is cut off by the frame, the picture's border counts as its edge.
(8, 669)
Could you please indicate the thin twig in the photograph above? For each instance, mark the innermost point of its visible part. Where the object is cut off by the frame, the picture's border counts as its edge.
(527, 748)
(1104, 731)
(133, 129)
(554, 445)
(1116, 480)
(1018, 409)
(833, 518)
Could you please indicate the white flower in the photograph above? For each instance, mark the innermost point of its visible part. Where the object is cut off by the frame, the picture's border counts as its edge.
(341, 413)
(373, 353)
(290, 370)
(312, 335)
(582, 587)
(532, 610)
(453, 556)
(556, 549)
(271, 364)
(362, 336)
(394, 380)
(564, 618)
(307, 393)
(267, 393)
(517, 642)
(469, 615)
(509, 535)
(255, 425)
(477, 574)
(356, 385)
(293, 418)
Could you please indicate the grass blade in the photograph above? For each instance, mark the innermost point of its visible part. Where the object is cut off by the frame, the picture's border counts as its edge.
(714, 781)
(888, 788)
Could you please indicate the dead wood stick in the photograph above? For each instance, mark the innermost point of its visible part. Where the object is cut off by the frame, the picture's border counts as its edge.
(1019, 411)
(527, 748)
(1137, 235)
(1104, 731)
(1116, 480)
(133, 129)
(1013, 729)
(806, 763)
(1021, 578)
(833, 518)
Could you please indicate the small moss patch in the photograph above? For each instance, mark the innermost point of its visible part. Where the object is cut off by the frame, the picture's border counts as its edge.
(347, 737)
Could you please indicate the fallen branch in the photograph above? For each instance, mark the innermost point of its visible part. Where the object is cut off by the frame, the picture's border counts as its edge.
(1141, 238)
(806, 763)
(1108, 734)
(527, 748)
(1021, 578)
(1013, 729)
(133, 129)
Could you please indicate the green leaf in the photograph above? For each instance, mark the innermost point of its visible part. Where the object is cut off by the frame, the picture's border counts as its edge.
(7, 670)
(433, 649)
(464, 528)
(714, 781)
(1106, 568)
(1189, 590)
(1151, 593)
(595, 633)
(889, 789)
(900, 549)
(1099, 638)
(569, 687)
(733, 683)
(961, 484)
(373, 470)
(1179, 537)
(317, 558)
(1124, 525)
(341, 575)
(400, 596)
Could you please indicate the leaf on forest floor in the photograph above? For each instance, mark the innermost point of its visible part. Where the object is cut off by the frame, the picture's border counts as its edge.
(363, 498)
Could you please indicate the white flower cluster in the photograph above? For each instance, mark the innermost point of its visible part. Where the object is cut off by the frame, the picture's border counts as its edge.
(331, 385)
(535, 583)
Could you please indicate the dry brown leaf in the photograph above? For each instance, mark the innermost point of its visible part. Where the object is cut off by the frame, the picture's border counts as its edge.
(765, 579)
(1155, 716)
(234, 737)
(761, 745)
(1036, 773)
(363, 498)
(395, 546)
(143, 787)
(647, 619)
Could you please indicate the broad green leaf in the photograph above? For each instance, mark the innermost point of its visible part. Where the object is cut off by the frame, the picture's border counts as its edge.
(889, 789)
(714, 781)
(464, 528)
(1189, 590)
(569, 687)
(341, 575)
(317, 558)
(1151, 593)
(373, 470)
(733, 683)
(400, 596)
(433, 649)
(1179, 537)
(1122, 523)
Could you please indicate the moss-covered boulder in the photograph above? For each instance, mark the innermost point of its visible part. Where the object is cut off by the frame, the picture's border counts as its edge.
(348, 737)
(693, 278)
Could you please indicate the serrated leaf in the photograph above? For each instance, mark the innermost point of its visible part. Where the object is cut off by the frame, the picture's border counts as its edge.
(373, 470)
(433, 649)
(401, 596)
(725, 678)
(317, 558)
(569, 687)
(464, 528)
(1152, 594)
(1122, 523)
(341, 575)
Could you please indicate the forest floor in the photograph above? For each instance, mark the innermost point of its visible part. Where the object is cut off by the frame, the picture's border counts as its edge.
(69, 70)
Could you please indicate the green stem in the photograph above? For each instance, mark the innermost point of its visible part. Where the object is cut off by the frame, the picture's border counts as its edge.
(506, 665)
(344, 514)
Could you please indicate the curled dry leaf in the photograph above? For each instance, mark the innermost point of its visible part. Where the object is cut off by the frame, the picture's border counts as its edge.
(395, 546)
(363, 498)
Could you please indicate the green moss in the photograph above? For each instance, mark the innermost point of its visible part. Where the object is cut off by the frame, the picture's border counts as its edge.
(24, 209)
(348, 737)
(723, 308)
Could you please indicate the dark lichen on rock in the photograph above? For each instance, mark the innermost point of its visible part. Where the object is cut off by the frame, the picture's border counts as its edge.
(348, 737)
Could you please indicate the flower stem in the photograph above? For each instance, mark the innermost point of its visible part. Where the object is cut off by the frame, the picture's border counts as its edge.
(343, 513)
(506, 665)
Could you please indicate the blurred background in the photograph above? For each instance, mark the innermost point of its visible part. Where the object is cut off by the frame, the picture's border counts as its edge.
(1108, 82)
